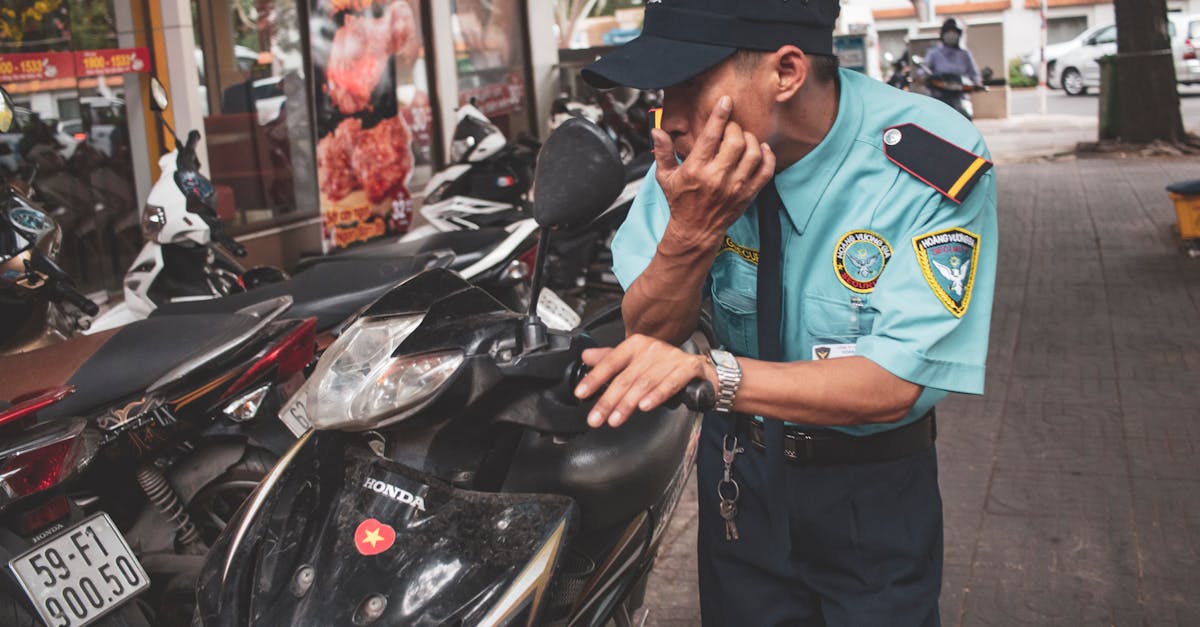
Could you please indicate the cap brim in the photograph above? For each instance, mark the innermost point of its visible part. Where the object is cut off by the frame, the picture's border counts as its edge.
(650, 62)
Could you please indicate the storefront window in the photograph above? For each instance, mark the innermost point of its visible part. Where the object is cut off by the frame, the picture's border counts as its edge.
(490, 48)
(72, 133)
(374, 130)
(258, 125)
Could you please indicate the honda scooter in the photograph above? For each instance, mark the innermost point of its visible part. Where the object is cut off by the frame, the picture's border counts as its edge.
(445, 472)
(125, 452)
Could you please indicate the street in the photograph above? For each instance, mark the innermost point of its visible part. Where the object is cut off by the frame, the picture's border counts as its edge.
(1026, 101)
(1070, 487)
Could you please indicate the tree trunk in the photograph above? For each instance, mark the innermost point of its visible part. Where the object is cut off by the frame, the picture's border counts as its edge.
(1147, 97)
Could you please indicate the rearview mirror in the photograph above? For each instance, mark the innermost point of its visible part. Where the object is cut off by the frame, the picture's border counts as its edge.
(6, 111)
(579, 174)
(158, 95)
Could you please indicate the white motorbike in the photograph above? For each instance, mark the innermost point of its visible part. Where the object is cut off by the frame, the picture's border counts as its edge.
(188, 255)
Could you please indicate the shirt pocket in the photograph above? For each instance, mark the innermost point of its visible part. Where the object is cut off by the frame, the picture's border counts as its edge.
(833, 322)
(735, 304)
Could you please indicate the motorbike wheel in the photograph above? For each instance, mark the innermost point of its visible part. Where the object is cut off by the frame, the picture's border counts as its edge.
(215, 504)
(1072, 82)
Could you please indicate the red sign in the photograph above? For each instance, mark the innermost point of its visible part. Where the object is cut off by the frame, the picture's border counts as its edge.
(112, 61)
(48, 65)
(497, 98)
(36, 66)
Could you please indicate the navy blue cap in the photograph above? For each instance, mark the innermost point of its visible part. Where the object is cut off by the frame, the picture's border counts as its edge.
(682, 38)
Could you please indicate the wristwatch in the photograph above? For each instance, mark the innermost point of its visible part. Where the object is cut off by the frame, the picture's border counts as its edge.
(729, 378)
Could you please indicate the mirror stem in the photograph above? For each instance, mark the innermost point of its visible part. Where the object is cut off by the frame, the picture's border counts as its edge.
(535, 330)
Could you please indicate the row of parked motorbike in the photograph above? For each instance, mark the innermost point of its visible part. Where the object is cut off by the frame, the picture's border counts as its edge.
(387, 436)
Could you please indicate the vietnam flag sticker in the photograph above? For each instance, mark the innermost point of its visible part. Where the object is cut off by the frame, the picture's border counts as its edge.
(373, 537)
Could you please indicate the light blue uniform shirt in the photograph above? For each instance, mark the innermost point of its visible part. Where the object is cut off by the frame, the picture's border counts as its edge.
(876, 262)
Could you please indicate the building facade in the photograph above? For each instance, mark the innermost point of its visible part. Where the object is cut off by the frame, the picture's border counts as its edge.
(321, 120)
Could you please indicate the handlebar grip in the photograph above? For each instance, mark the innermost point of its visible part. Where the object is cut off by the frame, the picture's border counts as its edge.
(698, 395)
(192, 139)
(83, 303)
(230, 244)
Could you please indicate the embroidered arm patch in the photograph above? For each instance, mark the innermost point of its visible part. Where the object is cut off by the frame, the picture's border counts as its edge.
(949, 169)
(948, 259)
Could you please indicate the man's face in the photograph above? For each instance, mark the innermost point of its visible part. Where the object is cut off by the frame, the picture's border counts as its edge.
(687, 106)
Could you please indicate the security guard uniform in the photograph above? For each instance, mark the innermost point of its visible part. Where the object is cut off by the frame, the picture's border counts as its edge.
(888, 252)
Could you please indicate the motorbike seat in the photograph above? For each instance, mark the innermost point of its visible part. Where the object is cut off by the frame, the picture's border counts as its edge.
(611, 473)
(330, 292)
(467, 246)
(109, 366)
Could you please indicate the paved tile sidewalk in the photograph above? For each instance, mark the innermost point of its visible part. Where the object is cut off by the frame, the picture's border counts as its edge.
(1072, 488)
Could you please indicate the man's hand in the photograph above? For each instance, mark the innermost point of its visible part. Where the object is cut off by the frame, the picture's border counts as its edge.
(642, 373)
(718, 180)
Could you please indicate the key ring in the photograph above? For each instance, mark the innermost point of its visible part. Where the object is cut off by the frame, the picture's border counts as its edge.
(737, 491)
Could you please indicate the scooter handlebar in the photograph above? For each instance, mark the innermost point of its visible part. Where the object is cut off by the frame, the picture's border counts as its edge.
(698, 395)
(65, 292)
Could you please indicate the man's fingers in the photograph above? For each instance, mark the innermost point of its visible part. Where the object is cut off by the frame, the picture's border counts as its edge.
(628, 403)
(672, 383)
(710, 137)
(733, 145)
(606, 408)
(766, 169)
(664, 153)
(750, 162)
(611, 361)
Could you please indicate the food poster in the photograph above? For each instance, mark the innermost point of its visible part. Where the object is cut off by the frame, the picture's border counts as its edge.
(373, 115)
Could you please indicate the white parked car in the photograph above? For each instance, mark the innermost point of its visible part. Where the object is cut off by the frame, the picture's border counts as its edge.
(1056, 51)
(1078, 70)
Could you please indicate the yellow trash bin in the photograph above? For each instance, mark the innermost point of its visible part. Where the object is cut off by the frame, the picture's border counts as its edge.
(1187, 208)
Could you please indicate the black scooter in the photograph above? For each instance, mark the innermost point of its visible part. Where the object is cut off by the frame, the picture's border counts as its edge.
(446, 473)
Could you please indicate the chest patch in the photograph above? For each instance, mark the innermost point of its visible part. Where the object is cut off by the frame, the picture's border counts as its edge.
(730, 246)
(859, 258)
(948, 261)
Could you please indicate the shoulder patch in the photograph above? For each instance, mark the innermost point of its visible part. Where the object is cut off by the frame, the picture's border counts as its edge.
(951, 170)
(948, 259)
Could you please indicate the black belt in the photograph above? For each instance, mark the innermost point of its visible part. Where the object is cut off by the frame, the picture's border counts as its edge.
(827, 447)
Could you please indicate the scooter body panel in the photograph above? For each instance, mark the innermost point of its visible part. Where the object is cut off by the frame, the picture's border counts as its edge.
(180, 226)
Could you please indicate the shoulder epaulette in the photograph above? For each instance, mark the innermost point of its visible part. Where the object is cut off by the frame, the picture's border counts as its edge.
(951, 170)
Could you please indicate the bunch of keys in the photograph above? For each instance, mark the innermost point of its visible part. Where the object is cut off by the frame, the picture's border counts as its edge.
(728, 485)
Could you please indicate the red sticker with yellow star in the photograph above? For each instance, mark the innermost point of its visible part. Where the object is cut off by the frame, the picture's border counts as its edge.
(373, 537)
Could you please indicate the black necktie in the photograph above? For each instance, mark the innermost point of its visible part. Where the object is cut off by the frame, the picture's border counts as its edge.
(770, 347)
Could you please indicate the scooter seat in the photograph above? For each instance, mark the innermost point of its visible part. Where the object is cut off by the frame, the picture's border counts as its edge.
(467, 246)
(106, 367)
(330, 292)
(611, 473)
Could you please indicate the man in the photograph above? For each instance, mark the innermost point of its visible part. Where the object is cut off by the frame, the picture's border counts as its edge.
(849, 295)
(951, 58)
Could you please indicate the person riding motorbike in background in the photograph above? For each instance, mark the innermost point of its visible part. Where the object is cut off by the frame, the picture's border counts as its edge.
(950, 58)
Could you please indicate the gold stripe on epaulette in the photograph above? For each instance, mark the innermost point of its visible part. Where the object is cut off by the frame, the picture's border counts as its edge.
(962, 180)
(749, 254)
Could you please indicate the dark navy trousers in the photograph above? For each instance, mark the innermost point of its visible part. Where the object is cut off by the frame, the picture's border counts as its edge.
(864, 545)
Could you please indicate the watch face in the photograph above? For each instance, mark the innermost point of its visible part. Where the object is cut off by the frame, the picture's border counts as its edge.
(723, 359)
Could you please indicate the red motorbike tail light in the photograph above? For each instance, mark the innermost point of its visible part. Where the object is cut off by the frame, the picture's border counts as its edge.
(1189, 50)
(30, 404)
(43, 515)
(43, 458)
(290, 355)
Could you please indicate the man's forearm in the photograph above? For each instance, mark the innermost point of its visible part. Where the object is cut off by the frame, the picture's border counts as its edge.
(664, 302)
(832, 392)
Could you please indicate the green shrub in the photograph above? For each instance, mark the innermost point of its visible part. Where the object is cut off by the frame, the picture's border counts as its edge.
(1016, 77)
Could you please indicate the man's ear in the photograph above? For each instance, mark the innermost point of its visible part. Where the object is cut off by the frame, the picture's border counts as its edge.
(791, 70)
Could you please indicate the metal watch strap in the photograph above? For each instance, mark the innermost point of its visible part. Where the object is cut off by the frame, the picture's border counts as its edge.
(728, 380)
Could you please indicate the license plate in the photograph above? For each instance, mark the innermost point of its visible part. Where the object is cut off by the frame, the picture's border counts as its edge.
(294, 415)
(80, 574)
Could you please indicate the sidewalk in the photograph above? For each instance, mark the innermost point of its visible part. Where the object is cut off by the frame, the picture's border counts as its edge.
(1027, 137)
(1072, 488)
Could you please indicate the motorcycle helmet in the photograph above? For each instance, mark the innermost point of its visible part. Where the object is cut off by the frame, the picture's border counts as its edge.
(475, 137)
(952, 24)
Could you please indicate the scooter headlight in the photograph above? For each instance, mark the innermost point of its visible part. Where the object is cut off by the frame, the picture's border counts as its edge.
(154, 218)
(359, 385)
